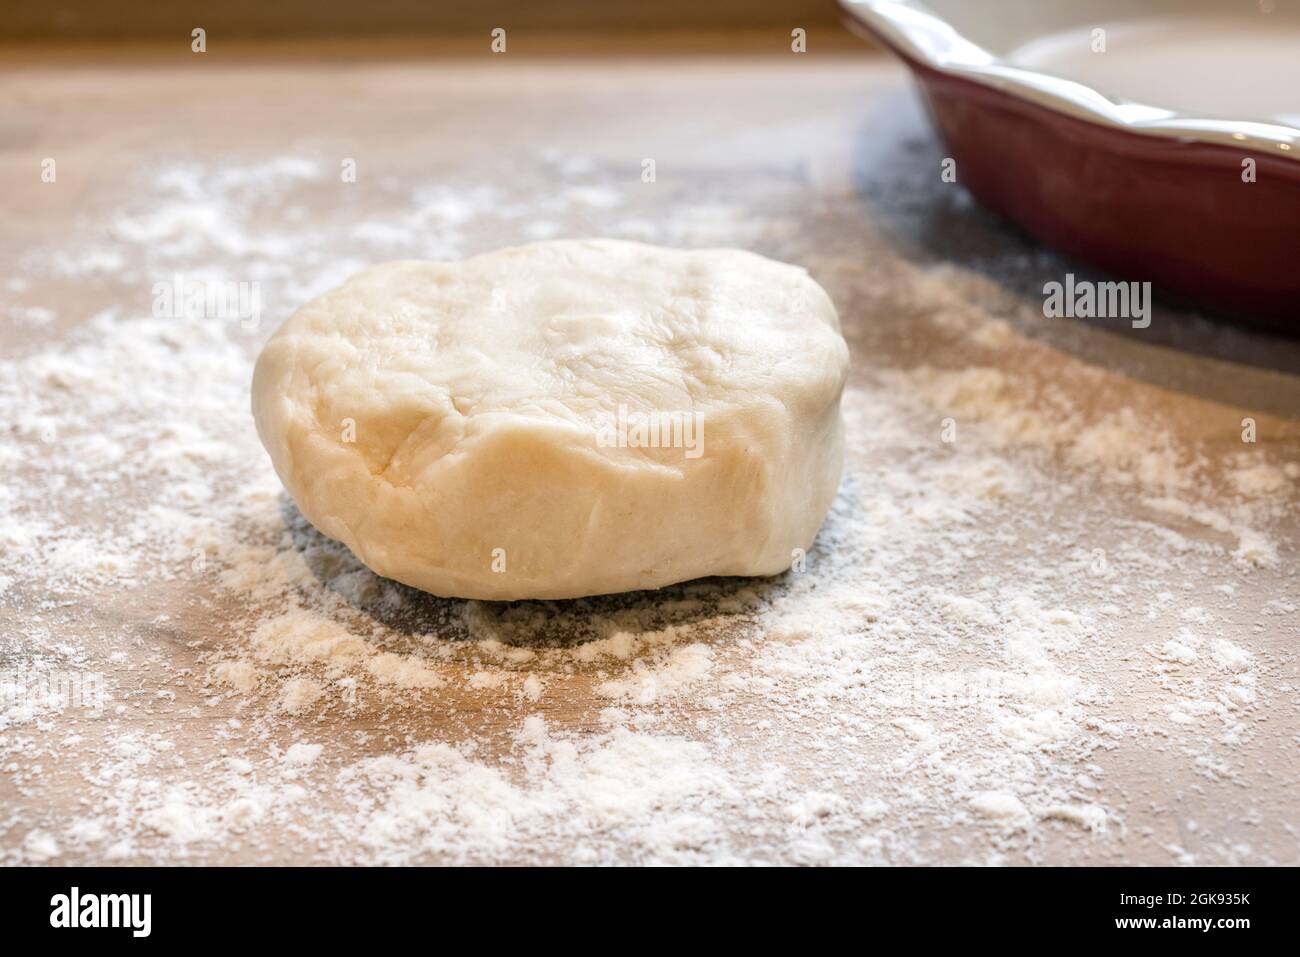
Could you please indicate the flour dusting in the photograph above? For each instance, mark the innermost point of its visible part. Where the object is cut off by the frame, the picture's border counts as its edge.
(978, 641)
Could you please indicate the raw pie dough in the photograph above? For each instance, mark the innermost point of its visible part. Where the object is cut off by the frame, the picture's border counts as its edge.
(561, 419)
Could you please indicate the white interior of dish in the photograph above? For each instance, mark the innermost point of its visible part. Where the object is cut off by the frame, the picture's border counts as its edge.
(1206, 65)
(1200, 57)
(1208, 69)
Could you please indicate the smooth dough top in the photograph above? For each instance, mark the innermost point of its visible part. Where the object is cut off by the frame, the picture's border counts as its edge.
(429, 413)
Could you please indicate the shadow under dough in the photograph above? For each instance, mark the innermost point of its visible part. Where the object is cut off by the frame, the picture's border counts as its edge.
(420, 617)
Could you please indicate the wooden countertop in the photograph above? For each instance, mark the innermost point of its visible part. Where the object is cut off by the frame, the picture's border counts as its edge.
(823, 159)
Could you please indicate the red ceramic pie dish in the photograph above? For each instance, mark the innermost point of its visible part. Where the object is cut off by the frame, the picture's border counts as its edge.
(1047, 109)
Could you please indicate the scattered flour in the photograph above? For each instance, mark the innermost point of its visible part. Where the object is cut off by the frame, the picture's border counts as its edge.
(975, 635)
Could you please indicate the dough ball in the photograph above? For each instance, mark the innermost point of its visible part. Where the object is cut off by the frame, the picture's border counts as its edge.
(561, 419)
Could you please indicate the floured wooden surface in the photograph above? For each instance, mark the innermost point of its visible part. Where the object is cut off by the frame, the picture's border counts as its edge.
(1066, 636)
